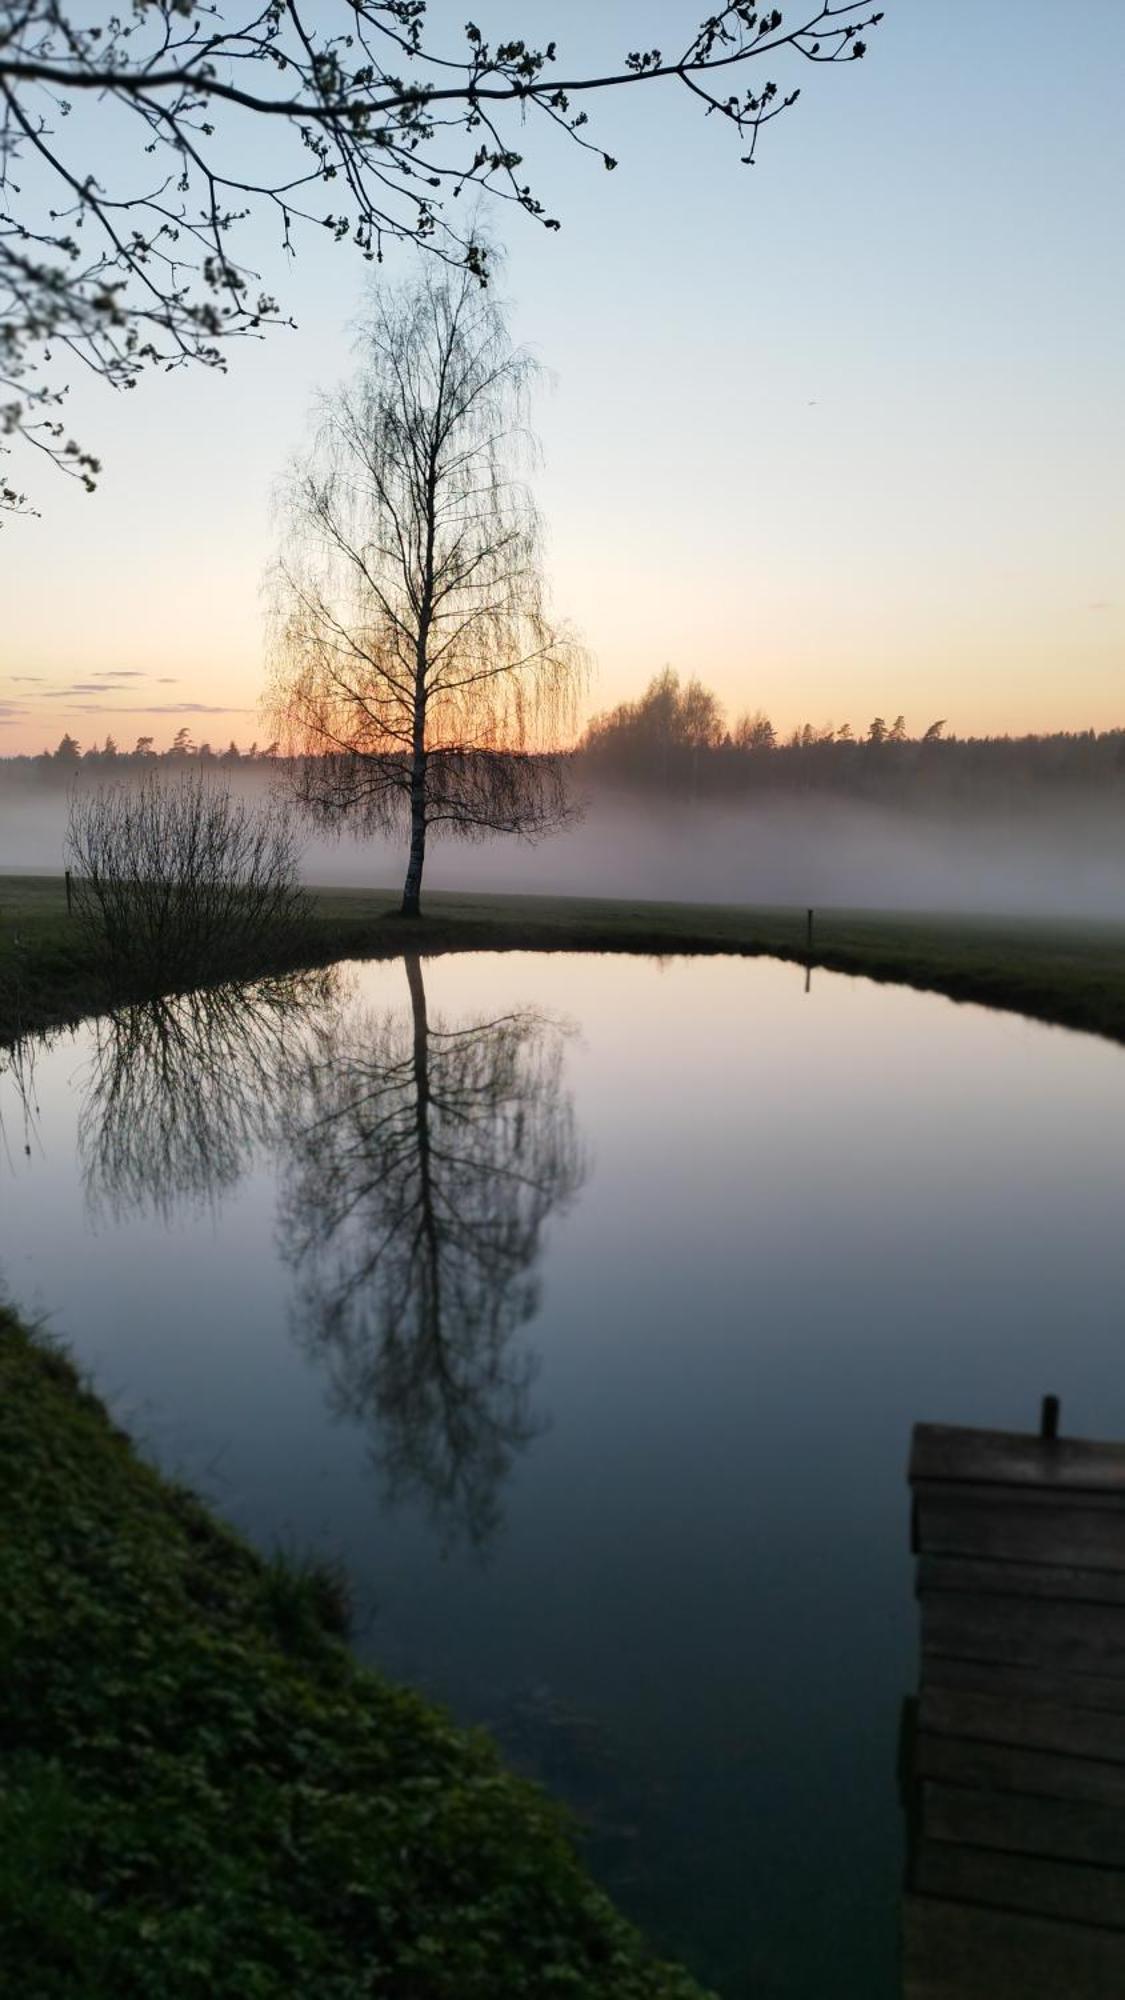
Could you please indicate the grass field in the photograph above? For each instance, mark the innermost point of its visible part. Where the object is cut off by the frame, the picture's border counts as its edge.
(1071, 973)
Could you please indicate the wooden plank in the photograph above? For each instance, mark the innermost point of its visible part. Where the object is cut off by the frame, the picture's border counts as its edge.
(1018, 1683)
(984, 1493)
(988, 1528)
(1014, 1823)
(1045, 1887)
(1056, 1582)
(1005, 1767)
(1019, 1458)
(1020, 1722)
(951, 1952)
(1071, 1638)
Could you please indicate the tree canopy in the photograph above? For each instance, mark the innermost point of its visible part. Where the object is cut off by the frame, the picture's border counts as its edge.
(132, 144)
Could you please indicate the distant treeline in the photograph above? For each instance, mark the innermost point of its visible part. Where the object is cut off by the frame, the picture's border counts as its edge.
(70, 757)
(109, 761)
(676, 741)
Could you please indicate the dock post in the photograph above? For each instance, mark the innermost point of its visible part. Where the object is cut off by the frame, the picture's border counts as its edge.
(1049, 1418)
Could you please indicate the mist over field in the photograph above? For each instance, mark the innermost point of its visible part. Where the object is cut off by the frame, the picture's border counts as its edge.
(1062, 857)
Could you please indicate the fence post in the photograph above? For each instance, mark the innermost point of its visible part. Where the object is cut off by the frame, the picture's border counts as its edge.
(808, 930)
(68, 893)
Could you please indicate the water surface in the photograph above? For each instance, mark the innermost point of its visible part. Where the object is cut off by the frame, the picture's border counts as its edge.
(583, 1306)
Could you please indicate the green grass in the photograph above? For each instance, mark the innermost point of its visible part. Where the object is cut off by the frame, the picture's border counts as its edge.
(204, 1797)
(1068, 972)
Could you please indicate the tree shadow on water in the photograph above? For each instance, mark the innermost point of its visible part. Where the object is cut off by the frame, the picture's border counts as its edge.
(422, 1164)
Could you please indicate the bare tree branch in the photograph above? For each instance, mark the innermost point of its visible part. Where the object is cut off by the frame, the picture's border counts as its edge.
(375, 115)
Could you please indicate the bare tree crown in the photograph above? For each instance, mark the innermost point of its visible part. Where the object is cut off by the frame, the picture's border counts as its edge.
(131, 147)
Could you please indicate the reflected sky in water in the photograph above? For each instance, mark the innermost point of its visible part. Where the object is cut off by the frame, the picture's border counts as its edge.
(618, 1465)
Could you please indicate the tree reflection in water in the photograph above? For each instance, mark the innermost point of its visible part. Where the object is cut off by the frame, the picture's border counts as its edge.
(423, 1162)
(420, 1163)
(181, 1091)
(17, 1091)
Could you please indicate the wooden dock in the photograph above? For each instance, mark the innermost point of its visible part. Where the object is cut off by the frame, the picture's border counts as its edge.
(1014, 1753)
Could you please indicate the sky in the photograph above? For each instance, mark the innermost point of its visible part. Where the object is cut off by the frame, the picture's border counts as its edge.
(843, 433)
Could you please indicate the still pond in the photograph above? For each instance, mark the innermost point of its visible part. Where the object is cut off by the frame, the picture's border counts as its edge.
(582, 1307)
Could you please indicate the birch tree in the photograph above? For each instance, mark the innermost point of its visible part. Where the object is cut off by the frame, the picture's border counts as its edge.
(419, 680)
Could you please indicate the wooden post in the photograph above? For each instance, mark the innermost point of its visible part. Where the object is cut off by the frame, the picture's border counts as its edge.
(1049, 1418)
(808, 931)
(68, 893)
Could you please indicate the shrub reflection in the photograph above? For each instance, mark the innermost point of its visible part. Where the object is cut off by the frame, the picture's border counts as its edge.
(182, 1091)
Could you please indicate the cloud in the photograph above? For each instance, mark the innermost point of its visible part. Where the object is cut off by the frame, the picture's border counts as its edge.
(79, 687)
(167, 680)
(1100, 604)
(158, 708)
(194, 708)
(106, 682)
(11, 711)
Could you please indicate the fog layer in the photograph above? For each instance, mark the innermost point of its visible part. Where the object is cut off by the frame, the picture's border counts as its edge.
(1061, 859)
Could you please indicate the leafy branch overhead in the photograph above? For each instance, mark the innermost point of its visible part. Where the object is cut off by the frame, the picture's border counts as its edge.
(131, 147)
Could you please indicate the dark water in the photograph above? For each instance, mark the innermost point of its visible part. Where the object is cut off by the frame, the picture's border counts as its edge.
(584, 1306)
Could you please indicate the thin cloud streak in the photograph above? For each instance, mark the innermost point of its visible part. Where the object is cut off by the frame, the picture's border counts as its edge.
(160, 708)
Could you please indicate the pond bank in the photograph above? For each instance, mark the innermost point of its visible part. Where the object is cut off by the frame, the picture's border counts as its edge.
(1070, 973)
(204, 1793)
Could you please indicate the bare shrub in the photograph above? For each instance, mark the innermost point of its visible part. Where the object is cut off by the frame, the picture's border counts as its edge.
(177, 884)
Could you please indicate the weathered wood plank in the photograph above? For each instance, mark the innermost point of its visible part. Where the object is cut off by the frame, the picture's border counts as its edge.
(1015, 1458)
(951, 1952)
(1017, 1683)
(1055, 1582)
(977, 1492)
(1071, 1638)
(1048, 1888)
(1022, 1723)
(1052, 1529)
(1006, 1767)
(1059, 1829)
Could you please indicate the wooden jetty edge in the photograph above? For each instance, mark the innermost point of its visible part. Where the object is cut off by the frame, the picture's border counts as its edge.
(1013, 1763)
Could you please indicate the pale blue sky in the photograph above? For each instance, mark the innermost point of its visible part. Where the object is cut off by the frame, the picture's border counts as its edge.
(843, 433)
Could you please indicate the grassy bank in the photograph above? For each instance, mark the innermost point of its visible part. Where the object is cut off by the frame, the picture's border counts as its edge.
(1072, 973)
(201, 1793)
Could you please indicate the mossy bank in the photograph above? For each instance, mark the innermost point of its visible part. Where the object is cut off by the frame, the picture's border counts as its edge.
(203, 1794)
